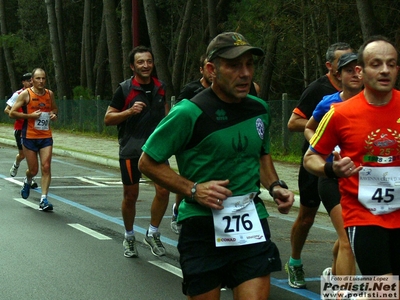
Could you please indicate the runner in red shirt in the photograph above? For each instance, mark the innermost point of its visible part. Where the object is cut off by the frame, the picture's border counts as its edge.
(26, 81)
(367, 130)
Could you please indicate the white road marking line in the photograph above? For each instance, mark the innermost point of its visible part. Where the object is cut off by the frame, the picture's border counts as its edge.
(107, 182)
(89, 231)
(102, 178)
(90, 181)
(13, 180)
(170, 268)
(81, 187)
(27, 203)
(167, 267)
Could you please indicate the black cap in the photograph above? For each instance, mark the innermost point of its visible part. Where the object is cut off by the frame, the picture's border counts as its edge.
(26, 76)
(230, 45)
(345, 59)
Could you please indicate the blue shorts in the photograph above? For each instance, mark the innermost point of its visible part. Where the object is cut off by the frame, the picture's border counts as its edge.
(205, 266)
(36, 144)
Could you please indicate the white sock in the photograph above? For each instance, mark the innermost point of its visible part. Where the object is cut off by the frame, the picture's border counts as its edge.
(152, 229)
(129, 234)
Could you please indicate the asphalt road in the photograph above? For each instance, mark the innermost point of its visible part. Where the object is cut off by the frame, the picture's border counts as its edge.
(75, 252)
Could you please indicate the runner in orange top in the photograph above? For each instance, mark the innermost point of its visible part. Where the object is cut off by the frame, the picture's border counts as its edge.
(26, 81)
(367, 130)
(39, 108)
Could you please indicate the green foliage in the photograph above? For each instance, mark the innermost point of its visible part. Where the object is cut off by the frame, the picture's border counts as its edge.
(8, 40)
(286, 157)
(258, 21)
(82, 92)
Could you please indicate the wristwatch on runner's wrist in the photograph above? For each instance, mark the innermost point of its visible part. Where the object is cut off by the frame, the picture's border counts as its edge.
(275, 183)
(193, 190)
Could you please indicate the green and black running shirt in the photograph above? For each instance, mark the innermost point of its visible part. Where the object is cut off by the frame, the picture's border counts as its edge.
(214, 140)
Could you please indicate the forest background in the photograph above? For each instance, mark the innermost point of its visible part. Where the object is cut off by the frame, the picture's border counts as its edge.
(83, 44)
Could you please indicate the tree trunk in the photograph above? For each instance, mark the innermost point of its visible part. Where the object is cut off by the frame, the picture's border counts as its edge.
(113, 43)
(369, 26)
(306, 77)
(180, 51)
(101, 61)
(55, 49)
(83, 78)
(157, 46)
(270, 56)
(222, 13)
(212, 18)
(320, 65)
(87, 46)
(269, 64)
(126, 28)
(7, 51)
(60, 27)
(2, 72)
(328, 22)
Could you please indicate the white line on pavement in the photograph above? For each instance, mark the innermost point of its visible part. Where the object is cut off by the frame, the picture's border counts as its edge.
(167, 267)
(89, 231)
(90, 181)
(27, 203)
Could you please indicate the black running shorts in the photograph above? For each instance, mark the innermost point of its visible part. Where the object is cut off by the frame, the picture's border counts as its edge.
(205, 266)
(308, 188)
(376, 249)
(130, 173)
(328, 189)
(17, 135)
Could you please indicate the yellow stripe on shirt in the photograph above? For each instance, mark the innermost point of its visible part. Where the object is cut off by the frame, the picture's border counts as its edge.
(321, 127)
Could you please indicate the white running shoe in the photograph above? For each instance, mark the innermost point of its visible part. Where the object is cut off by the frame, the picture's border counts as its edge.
(13, 170)
(130, 249)
(175, 227)
(327, 273)
(156, 246)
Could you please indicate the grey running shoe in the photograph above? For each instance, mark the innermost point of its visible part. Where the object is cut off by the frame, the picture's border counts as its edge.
(34, 185)
(45, 205)
(157, 248)
(13, 170)
(175, 227)
(130, 247)
(295, 276)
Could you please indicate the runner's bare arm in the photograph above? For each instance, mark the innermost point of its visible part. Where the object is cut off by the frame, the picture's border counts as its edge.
(22, 100)
(114, 116)
(296, 123)
(7, 109)
(310, 128)
(316, 164)
(54, 108)
(210, 193)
